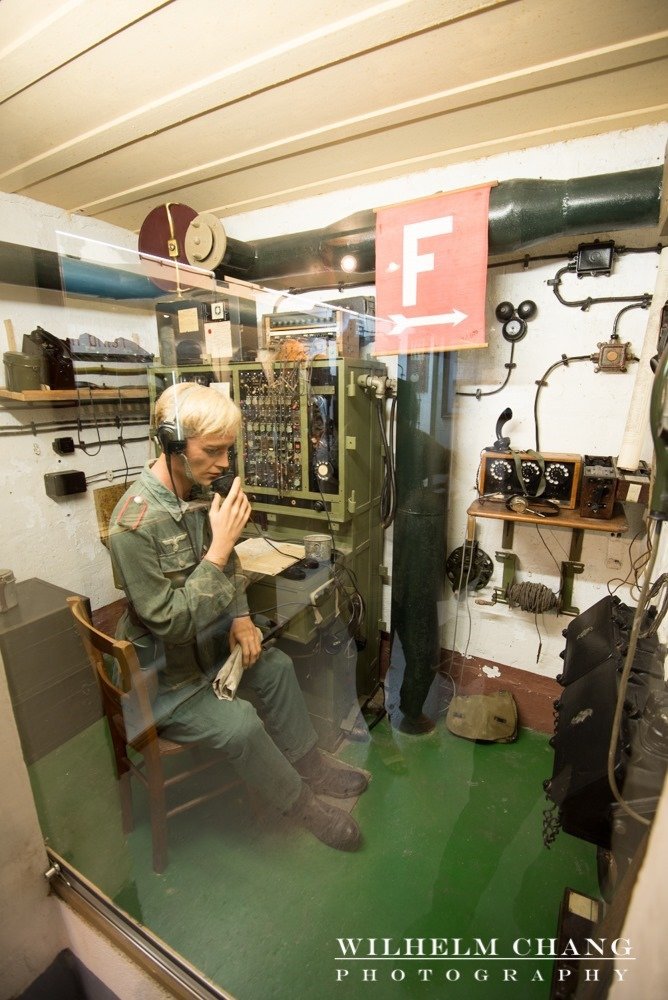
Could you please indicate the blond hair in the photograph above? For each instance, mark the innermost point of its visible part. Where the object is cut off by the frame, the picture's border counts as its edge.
(197, 410)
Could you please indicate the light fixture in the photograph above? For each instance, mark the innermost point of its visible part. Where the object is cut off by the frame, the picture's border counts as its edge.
(348, 263)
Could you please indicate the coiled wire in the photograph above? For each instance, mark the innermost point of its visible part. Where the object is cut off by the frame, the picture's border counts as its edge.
(533, 597)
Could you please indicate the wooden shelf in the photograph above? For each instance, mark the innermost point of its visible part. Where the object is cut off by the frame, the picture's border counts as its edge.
(569, 519)
(565, 519)
(62, 397)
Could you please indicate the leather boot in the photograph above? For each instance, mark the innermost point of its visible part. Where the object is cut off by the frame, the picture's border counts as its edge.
(329, 824)
(417, 725)
(326, 779)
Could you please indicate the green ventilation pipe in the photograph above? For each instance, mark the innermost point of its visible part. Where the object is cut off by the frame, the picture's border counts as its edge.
(521, 213)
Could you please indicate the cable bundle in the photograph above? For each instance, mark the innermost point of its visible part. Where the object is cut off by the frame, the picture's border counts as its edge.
(533, 597)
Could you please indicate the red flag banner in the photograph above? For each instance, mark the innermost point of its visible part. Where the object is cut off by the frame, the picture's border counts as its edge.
(431, 271)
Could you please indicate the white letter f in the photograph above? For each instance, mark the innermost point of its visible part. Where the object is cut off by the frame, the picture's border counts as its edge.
(415, 263)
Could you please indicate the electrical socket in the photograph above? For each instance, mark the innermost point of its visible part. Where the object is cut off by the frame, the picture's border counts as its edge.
(618, 549)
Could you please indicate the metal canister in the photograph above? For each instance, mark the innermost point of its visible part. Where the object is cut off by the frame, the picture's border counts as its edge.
(22, 371)
(8, 595)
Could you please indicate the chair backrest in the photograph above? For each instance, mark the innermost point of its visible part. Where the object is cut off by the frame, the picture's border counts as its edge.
(130, 693)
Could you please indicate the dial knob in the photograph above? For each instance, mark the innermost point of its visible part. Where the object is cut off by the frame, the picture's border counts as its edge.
(531, 475)
(557, 474)
(501, 470)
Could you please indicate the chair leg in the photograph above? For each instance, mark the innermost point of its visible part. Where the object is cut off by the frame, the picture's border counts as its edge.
(125, 791)
(158, 808)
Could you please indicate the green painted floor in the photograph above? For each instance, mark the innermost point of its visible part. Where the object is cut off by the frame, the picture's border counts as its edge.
(453, 849)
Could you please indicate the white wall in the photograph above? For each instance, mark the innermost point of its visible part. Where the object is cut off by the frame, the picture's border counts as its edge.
(580, 412)
(57, 540)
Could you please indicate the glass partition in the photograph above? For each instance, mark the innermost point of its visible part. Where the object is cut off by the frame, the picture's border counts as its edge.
(332, 593)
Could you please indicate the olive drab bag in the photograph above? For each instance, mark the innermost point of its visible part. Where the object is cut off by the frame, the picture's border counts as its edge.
(489, 718)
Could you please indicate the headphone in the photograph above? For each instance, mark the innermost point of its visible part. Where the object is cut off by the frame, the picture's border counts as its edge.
(171, 438)
(170, 433)
(518, 503)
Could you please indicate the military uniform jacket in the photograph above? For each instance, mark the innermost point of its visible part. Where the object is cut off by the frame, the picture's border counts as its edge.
(180, 606)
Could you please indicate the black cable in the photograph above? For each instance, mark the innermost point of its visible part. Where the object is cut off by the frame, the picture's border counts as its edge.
(541, 382)
(657, 248)
(623, 682)
(549, 550)
(634, 305)
(492, 392)
(659, 589)
(46, 426)
(100, 477)
(528, 259)
(568, 255)
(258, 529)
(81, 444)
(101, 444)
(125, 458)
(168, 458)
(388, 492)
(584, 304)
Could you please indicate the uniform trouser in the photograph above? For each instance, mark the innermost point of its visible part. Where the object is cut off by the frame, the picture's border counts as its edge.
(261, 756)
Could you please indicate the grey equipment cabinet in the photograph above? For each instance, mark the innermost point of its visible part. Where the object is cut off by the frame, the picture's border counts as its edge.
(51, 683)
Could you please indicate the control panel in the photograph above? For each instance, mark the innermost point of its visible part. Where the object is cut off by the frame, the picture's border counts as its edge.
(309, 442)
(599, 486)
(553, 477)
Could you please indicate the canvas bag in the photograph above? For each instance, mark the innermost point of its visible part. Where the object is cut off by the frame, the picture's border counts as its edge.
(490, 718)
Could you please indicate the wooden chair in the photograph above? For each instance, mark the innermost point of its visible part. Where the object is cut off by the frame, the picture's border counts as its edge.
(148, 748)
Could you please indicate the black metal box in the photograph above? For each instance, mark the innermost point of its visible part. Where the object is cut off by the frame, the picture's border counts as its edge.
(51, 683)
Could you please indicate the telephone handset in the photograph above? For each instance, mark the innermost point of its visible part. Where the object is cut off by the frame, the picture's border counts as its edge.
(223, 484)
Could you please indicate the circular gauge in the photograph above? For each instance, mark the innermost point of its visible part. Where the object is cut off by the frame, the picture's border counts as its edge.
(531, 475)
(556, 474)
(514, 329)
(501, 470)
(323, 470)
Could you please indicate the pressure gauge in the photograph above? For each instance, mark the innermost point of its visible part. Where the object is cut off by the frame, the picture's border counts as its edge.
(501, 470)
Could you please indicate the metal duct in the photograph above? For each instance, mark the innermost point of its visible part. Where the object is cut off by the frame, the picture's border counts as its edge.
(525, 212)
(521, 213)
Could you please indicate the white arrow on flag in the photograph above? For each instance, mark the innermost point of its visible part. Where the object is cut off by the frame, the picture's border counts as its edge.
(402, 323)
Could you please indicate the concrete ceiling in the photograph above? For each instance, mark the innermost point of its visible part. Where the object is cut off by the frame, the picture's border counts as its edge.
(111, 107)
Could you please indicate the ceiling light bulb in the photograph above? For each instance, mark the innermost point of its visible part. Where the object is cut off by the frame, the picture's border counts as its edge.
(349, 262)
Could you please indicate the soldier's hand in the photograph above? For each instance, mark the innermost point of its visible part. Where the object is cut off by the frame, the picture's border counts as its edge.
(228, 516)
(243, 633)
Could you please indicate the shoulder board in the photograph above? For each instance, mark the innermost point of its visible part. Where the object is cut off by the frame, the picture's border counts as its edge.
(132, 512)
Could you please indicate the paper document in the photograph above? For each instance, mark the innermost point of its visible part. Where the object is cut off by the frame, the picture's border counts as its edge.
(257, 555)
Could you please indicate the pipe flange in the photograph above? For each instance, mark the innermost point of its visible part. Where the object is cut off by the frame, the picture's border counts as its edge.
(206, 241)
